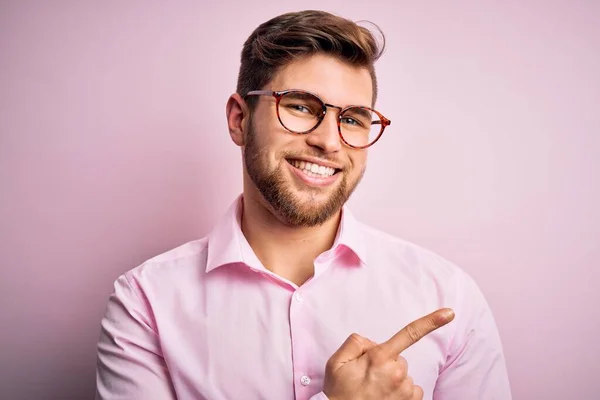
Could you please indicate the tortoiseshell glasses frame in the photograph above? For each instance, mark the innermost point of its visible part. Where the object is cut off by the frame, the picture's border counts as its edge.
(383, 122)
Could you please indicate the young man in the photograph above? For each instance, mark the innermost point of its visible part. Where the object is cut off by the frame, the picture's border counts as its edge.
(290, 297)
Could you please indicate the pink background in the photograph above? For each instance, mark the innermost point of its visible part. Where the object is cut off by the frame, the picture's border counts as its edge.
(114, 148)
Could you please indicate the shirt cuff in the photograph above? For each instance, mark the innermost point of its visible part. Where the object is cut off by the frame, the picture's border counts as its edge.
(319, 396)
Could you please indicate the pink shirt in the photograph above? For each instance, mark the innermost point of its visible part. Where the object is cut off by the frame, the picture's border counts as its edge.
(207, 321)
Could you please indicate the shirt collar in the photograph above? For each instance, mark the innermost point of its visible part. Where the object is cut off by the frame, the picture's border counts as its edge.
(228, 245)
(351, 235)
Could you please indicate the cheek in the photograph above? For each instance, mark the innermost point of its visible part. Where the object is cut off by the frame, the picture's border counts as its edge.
(358, 160)
(265, 126)
(275, 141)
(271, 145)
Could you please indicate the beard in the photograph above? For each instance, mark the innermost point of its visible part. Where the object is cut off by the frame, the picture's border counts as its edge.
(279, 193)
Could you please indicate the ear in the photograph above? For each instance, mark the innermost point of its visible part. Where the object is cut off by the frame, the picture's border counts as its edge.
(237, 118)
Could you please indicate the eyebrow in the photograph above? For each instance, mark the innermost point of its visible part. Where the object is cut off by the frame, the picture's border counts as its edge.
(302, 95)
(362, 111)
(308, 93)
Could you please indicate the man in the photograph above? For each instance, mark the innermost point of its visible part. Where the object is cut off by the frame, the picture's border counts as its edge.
(290, 297)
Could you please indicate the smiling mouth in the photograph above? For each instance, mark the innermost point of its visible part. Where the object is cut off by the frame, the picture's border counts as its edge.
(312, 169)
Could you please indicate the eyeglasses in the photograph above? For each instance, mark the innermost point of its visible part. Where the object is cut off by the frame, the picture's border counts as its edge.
(302, 112)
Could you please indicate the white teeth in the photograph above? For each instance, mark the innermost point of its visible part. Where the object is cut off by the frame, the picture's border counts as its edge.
(312, 169)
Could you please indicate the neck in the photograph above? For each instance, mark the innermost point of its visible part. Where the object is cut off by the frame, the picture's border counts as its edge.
(288, 251)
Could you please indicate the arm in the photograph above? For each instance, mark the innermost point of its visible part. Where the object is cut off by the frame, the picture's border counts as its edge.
(475, 367)
(130, 361)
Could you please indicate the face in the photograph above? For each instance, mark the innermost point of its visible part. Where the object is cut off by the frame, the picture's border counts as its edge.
(287, 168)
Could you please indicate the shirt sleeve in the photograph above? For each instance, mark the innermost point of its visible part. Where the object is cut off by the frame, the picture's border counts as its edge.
(130, 364)
(475, 367)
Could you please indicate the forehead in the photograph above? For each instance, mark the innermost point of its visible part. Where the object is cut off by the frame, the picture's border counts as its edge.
(335, 81)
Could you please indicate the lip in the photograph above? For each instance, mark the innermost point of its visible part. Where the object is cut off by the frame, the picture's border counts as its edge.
(319, 161)
(311, 180)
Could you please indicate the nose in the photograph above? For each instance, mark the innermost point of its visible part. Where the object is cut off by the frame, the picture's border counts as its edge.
(326, 136)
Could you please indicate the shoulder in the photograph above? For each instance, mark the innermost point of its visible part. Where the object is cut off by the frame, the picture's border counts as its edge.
(424, 270)
(187, 251)
(427, 276)
(411, 258)
(170, 269)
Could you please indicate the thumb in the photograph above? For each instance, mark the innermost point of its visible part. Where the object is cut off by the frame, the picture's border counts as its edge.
(354, 347)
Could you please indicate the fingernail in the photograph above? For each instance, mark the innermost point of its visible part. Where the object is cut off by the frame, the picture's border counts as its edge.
(449, 313)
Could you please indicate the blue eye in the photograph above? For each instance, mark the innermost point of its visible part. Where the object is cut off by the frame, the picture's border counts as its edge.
(299, 107)
(350, 121)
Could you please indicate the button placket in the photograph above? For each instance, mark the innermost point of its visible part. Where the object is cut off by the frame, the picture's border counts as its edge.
(298, 327)
(298, 297)
(305, 380)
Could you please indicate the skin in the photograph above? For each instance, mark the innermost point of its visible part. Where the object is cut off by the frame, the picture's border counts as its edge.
(288, 245)
(361, 369)
(289, 222)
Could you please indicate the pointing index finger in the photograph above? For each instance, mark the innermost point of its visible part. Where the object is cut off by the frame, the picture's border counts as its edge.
(417, 330)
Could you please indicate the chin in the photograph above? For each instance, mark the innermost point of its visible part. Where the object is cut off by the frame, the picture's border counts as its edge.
(310, 209)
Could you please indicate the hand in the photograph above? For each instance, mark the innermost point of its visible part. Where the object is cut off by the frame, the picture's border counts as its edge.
(361, 369)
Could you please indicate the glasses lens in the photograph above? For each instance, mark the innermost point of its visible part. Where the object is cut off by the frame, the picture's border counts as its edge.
(360, 126)
(300, 112)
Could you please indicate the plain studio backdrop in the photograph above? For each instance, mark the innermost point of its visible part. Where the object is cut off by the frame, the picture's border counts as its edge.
(114, 148)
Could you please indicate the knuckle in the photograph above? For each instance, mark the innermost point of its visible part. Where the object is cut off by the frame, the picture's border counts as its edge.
(356, 340)
(413, 333)
(398, 377)
(407, 387)
(418, 393)
(355, 337)
(402, 365)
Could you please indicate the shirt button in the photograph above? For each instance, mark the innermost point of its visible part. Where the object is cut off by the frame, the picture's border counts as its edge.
(305, 380)
(298, 297)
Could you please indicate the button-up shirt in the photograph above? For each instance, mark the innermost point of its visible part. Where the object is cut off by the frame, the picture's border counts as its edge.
(207, 320)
